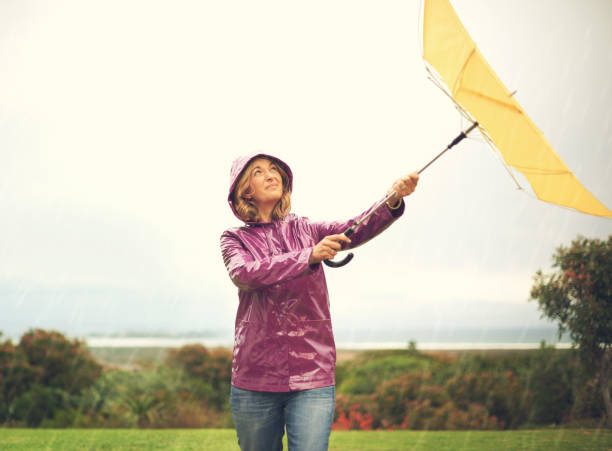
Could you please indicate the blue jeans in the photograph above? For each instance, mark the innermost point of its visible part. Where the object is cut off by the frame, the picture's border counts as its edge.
(260, 418)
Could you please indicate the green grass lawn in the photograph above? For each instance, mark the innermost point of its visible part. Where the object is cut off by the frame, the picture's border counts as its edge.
(225, 440)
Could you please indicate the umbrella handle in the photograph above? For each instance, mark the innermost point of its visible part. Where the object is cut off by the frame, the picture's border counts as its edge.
(332, 264)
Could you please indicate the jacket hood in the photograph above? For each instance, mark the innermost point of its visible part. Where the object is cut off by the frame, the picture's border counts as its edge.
(239, 165)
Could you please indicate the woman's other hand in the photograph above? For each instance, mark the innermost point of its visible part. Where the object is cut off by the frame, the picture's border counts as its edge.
(403, 186)
(327, 248)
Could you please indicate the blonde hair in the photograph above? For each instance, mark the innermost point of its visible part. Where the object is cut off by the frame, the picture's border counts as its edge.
(246, 207)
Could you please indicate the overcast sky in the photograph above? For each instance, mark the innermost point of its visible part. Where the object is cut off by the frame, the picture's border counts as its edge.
(119, 121)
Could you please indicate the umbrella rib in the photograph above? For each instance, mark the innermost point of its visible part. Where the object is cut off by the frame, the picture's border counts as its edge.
(457, 84)
(435, 79)
(491, 99)
(540, 171)
(499, 156)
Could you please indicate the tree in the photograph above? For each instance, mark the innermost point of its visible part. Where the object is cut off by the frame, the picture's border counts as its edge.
(578, 296)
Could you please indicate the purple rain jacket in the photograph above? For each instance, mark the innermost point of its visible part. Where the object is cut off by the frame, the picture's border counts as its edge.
(283, 334)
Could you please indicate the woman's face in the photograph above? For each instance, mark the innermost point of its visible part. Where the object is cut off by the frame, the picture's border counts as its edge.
(266, 184)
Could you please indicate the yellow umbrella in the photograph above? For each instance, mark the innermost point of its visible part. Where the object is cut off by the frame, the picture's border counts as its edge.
(482, 97)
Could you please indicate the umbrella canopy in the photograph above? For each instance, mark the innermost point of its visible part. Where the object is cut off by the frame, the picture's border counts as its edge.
(480, 94)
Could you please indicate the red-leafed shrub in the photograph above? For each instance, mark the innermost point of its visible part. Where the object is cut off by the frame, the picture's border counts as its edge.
(412, 401)
(353, 417)
(500, 394)
(396, 397)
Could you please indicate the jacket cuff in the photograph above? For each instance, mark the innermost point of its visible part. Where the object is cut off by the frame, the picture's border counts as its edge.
(396, 213)
(314, 266)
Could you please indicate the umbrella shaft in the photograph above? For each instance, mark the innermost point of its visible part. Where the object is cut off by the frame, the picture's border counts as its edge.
(455, 141)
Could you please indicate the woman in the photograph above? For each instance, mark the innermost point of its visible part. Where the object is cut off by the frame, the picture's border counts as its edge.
(284, 352)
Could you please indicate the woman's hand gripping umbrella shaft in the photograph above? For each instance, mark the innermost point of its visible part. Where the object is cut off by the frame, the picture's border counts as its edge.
(401, 188)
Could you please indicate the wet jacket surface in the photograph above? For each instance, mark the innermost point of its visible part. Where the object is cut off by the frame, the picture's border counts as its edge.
(283, 333)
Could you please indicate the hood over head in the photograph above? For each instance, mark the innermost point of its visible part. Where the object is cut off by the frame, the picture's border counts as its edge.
(240, 164)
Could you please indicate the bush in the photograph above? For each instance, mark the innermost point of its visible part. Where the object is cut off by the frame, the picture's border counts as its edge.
(47, 380)
(355, 417)
(499, 394)
(551, 381)
(396, 397)
(208, 373)
(485, 391)
(377, 390)
(164, 396)
(102, 404)
(588, 403)
(43, 374)
(39, 403)
(372, 369)
(16, 377)
(61, 363)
